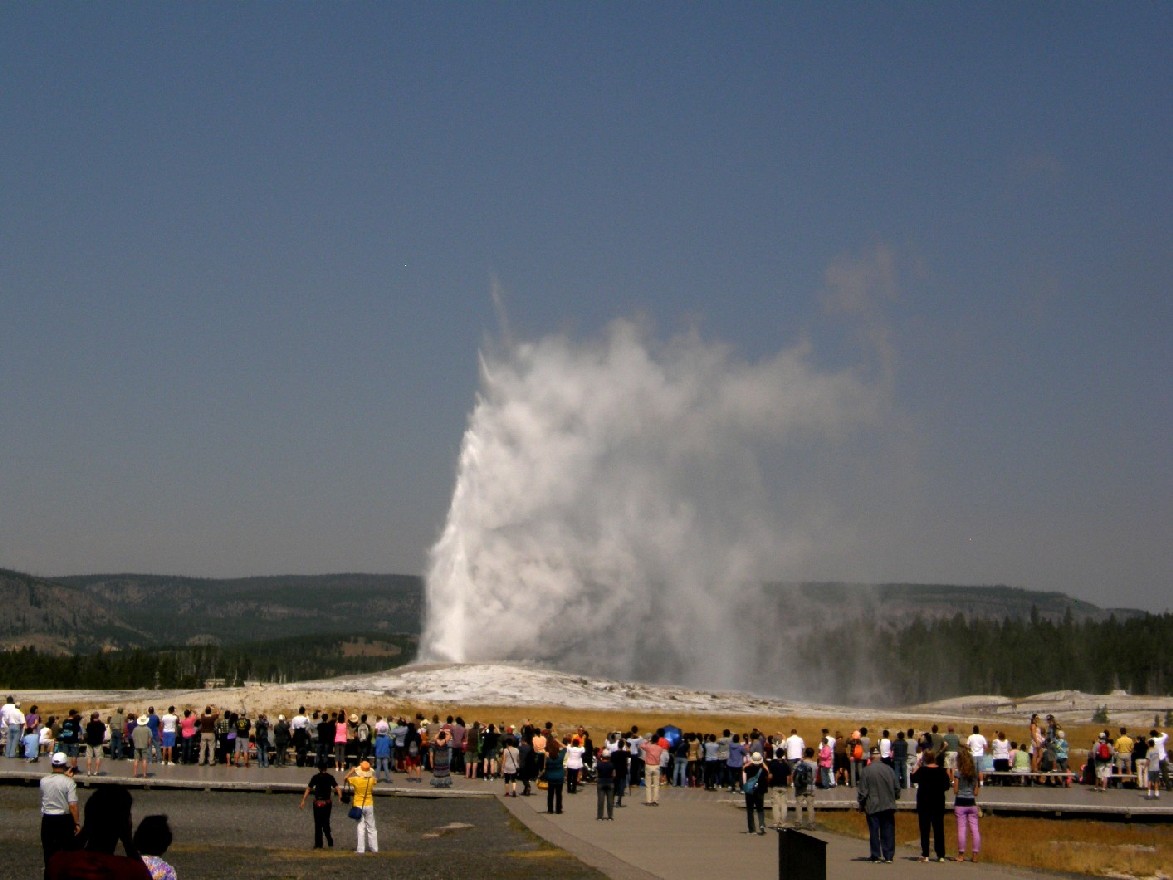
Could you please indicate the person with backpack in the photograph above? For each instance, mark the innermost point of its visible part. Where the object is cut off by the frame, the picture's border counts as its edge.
(1101, 754)
(755, 783)
(855, 754)
(362, 738)
(804, 788)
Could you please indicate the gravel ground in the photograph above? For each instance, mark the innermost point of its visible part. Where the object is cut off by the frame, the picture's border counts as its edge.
(224, 834)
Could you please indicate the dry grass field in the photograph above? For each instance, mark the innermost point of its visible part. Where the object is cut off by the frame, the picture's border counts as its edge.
(1075, 846)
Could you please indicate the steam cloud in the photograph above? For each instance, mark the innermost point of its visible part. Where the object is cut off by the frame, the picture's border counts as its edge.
(620, 502)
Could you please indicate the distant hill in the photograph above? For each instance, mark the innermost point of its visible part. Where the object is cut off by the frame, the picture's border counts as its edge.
(86, 613)
(830, 603)
(93, 612)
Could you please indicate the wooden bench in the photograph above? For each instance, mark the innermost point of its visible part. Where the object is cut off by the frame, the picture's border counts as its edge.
(1032, 777)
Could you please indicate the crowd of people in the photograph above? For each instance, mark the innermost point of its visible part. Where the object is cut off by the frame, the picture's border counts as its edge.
(779, 770)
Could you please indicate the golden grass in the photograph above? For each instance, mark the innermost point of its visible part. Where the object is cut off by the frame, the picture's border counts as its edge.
(1076, 846)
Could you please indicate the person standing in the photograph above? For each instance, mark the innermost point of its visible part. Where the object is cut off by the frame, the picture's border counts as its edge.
(299, 733)
(604, 786)
(779, 769)
(60, 822)
(324, 788)
(362, 780)
(241, 725)
(383, 754)
(261, 738)
(803, 776)
(620, 758)
(574, 764)
(878, 791)
(117, 728)
(651, 750)
(442, 760)
(70, 738)
(931, 783)
(966, 786)
(168, 730)
(95, 737)
(13, 720)
(555, 775)
(755, 783)
(208, 736)
(1153, 777)
(510, 765)
(281, 737)
(140, 740)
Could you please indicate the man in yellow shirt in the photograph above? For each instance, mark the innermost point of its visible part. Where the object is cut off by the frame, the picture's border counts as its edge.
(1124, 745)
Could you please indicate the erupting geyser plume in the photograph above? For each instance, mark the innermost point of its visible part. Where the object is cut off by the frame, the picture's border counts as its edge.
(619, 503)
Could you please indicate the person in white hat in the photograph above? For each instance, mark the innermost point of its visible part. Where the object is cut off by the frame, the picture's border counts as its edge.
(141, 740)
(60, 821)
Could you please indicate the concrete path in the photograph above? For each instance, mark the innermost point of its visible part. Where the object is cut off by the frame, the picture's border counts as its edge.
(696, 835)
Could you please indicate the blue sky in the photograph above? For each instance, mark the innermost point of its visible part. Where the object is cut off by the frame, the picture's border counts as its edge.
(247, 253)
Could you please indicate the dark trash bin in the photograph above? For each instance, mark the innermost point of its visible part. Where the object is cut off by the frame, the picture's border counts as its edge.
(801, 856)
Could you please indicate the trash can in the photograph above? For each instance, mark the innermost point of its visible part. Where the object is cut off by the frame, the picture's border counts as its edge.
(801, 856)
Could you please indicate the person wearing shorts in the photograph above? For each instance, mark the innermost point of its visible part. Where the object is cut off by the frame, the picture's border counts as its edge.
(141, 740)
(167, 726)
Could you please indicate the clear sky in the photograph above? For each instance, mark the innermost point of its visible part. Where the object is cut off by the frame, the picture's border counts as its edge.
(247, 253)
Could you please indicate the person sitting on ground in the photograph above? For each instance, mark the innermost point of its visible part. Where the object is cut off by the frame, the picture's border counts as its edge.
(151, 839)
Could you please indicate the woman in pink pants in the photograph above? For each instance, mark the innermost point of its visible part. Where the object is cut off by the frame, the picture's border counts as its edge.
(965, 792)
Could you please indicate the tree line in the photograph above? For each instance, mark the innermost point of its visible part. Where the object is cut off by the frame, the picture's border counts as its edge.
(927, 660)
(279, 660)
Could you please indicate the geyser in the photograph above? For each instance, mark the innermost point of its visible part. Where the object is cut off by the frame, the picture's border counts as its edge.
(619, 503)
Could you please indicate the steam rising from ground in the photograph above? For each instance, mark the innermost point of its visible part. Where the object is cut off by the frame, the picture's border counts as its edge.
(620, 502)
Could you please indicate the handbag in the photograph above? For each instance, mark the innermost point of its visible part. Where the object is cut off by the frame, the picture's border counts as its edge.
(750, 786)
(354, 813)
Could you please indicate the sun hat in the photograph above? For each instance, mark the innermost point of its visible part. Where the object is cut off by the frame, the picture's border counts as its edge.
(756, 757)
(353, 718)
(143, 719)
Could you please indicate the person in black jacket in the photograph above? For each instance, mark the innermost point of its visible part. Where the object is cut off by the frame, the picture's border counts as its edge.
(931, 781)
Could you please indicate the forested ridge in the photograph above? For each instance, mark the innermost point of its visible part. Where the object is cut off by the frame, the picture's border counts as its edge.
(935, 659)
(280, 660)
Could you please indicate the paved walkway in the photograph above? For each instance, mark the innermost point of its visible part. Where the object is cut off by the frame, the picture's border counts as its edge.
(700, 836)
(692, 834)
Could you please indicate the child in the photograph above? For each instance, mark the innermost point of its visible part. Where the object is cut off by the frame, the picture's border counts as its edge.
(1154, 760)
